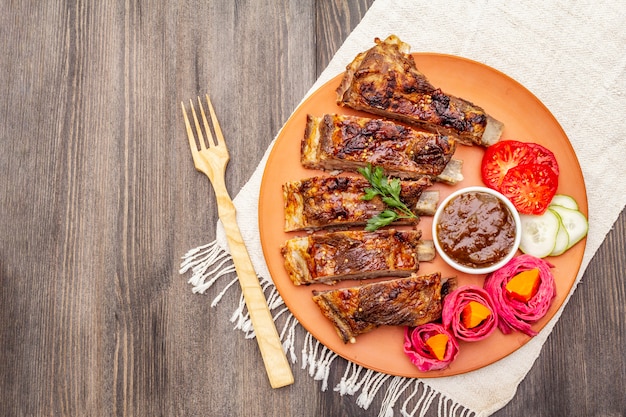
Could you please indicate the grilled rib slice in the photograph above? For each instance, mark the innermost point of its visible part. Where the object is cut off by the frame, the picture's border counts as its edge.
(336, 202)
(340, 142)
(410, 301)
(384, 80)
(331, 257)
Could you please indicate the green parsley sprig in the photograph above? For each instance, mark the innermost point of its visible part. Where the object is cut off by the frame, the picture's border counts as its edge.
(389, 192)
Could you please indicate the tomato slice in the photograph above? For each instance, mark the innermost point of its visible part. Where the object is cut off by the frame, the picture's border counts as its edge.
(543, 155)
(530, 187)
(507, 154)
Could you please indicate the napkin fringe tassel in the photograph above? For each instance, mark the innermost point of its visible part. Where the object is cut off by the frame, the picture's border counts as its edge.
(210, 262)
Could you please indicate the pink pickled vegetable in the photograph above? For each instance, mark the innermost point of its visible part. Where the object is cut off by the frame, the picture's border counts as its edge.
(458, 302)
(514, 314)
(420, 354)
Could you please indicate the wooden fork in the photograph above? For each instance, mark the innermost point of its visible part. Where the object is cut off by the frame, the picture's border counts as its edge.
(212, 161)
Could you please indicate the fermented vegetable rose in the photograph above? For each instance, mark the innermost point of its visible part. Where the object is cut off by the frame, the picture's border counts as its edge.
(458, 303)
(420, 353)
(514, 314)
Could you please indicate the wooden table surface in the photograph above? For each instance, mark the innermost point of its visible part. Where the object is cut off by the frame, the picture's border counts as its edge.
(100, 201)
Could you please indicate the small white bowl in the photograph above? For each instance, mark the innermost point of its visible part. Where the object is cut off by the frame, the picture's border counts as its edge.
(469, 269)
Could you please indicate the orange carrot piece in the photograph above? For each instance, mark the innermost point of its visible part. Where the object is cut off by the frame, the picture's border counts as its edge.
(473, 314)
(437, 345)
(524, 285)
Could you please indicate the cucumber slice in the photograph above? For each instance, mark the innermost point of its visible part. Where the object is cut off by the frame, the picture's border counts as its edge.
(564, 201)
(574, 222)
(562, 238)
(539, 233)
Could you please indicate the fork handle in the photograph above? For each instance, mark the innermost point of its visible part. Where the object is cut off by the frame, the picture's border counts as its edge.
(274, 358)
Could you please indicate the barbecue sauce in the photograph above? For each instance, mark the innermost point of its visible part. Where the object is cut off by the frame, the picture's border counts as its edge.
(476, 229)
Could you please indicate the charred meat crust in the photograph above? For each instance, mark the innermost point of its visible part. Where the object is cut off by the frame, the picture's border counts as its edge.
(385, 81)
(410, 301)
(349, 142)
(331, 257)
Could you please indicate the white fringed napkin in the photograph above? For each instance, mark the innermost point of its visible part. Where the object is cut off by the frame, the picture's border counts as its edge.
(573, 60)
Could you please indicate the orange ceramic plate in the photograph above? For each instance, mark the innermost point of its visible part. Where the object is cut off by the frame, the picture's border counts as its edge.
(525, 119)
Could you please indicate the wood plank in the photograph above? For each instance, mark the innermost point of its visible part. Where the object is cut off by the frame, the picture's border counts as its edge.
(100, 200)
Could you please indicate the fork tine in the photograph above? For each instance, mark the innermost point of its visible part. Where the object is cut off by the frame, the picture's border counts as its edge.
(207, 128)
(216, 124)
(192, 141)
(195, 119)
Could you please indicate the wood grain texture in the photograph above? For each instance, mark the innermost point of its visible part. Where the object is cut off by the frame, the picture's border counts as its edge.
(100, 200)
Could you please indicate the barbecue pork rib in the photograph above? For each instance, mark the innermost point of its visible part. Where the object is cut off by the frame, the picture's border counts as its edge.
(385, 81)
(340, 142)
(335, 256)
(323, 202)
(410, 301)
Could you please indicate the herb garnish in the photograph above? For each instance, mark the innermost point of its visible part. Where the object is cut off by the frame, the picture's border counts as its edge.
(389, 192)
